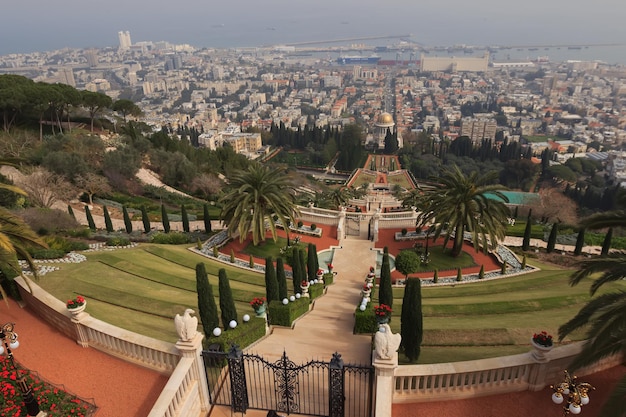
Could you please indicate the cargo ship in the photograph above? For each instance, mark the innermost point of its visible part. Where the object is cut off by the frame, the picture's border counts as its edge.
(358, 59)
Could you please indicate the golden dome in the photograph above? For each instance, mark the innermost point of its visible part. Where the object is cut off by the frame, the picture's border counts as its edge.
(385, 118)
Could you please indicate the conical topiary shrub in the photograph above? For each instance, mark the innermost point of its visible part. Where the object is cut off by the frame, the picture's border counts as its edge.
(227, 304)
(127, 223)
(90, 222)
(165, 219)
(481, 273)
(271, 281)
(145, 220)
(206, 301)
(436, 276)
(459, 275)
(207, 219)
(281, 278)
(185, 218)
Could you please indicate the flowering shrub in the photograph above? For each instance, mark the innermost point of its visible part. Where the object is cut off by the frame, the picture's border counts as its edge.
(304, 283)
(382, 311)
(75, 302)
(55, 401)
(320, 271)
(543, 339)
(257, 302)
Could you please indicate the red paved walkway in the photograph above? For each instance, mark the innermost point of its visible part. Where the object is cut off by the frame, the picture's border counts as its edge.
(118, 388)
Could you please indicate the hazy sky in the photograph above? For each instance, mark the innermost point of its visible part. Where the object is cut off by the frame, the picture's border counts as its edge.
(38, 25)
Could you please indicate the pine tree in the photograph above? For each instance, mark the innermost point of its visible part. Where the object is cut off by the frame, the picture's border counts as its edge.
(481, 273)
(90, 222)
(127, 223)
(411, 325)
(310, 264)
(580, 242)
(552, 238)
(606, 245)
(70, 210)
(107, 220)
(164, 219)
(207, 219)
(271, 281)
(145, 219)
(206, 302)
(385, 292)
(295, 272)
(183, 214)
(527, 231)
(227, 304)
(281, 278)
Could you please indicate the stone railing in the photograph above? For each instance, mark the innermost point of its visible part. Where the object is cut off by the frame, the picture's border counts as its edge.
(179, 395)
(457, 380)
(90, 332)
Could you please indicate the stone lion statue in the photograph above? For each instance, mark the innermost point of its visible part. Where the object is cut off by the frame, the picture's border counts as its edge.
(385, 342)
(186, 326)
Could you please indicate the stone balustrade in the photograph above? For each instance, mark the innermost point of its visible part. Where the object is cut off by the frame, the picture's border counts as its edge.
(180, 396)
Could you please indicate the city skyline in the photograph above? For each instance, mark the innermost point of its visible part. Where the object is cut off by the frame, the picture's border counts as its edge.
(38, 27)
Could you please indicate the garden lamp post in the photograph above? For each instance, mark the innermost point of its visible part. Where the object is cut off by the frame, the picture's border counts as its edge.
(9, 342)
(572, 394)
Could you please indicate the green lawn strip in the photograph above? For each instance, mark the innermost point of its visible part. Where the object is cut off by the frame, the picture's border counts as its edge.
(169, 280)
(518, 229)
(442, 354)
(184, 257)
(266, 248)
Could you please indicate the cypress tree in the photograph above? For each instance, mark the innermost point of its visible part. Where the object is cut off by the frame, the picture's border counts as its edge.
(271, 281)
(524, 262)
(552, 238)
(503, 268)
(436, 276)
(310, 264)
(385, 292)
(207, 219)
(580, 241)
(459, 275)
(206, 302)
(90, 222)
(70, 210)
(164, 219)
(411, 325)
(107, 220)
(606, 245)
(251, 262)
(481, 273)
(295, 272)
(232, 256)
(183, 214)
(216, 251)
(127, 223)
(281, 278)
(303, 273)
(145, 219)
(527, 231)
(316, 261)
(227, 304)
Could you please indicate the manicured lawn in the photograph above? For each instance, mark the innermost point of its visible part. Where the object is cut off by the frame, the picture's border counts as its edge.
(441, 260)
(363, 178)
(536, 230)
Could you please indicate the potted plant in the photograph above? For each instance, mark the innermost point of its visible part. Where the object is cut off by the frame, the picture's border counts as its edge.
(330, 267)
(258, 304)
(542, 343)
(367, 290)
(76, 305)
(382, 313)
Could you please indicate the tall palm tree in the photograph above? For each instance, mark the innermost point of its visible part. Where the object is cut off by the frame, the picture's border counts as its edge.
(257, 194)
(461, 204)
(603, 316)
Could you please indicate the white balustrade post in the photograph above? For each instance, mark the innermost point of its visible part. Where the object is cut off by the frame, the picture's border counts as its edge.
(193, 349)
(383, 384)
(81, 333)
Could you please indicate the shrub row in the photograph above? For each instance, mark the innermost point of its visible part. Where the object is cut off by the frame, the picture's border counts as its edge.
(316, 290)
(172, 238)
(118, 241)
(329, 278)
(365, 321)
(243, 335)
(284, 315)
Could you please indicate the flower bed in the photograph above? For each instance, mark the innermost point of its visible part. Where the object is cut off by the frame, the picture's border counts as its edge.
(53, 400)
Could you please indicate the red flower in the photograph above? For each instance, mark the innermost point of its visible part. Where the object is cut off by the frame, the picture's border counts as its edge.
(257, 302)
(382, 310)
(543, 339)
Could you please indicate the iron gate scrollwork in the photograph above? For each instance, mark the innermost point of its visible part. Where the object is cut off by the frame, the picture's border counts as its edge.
(316, 388)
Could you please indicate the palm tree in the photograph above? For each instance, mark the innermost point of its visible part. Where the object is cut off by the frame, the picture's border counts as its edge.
(257, 194)
(604, 316)
(462, 204)
(15, 239)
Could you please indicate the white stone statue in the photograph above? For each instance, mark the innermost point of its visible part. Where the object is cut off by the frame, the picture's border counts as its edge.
(186, 326)
(385, 342)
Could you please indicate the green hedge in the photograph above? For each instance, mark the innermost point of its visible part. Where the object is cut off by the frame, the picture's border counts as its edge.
(329, 278)
(173, 238)
(118, 241)
(315, 290)
(284, 315)
(47, 253)
(243, 335)
(365, 321)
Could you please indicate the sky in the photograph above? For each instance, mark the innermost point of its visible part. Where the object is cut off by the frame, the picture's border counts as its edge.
(38, 25)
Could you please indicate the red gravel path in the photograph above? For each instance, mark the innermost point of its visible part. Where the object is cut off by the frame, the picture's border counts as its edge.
(118, 388)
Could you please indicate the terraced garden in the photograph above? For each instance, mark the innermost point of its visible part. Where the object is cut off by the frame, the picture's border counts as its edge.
(141, 289)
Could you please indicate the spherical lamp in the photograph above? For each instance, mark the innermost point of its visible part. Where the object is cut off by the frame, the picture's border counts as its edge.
(232, 324)
(575, 408)
(362, 307)
(298, 295)
(584, 399)
(285, 301)
(246, 318)
(292, 298)
(557, 398)
(217, 331)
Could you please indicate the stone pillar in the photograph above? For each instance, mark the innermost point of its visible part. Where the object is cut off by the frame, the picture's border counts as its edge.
(383, 384)
(193, 349)
(81, 333)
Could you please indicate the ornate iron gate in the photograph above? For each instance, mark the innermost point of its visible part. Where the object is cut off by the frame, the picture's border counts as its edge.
(353, 225)
(315, 388)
